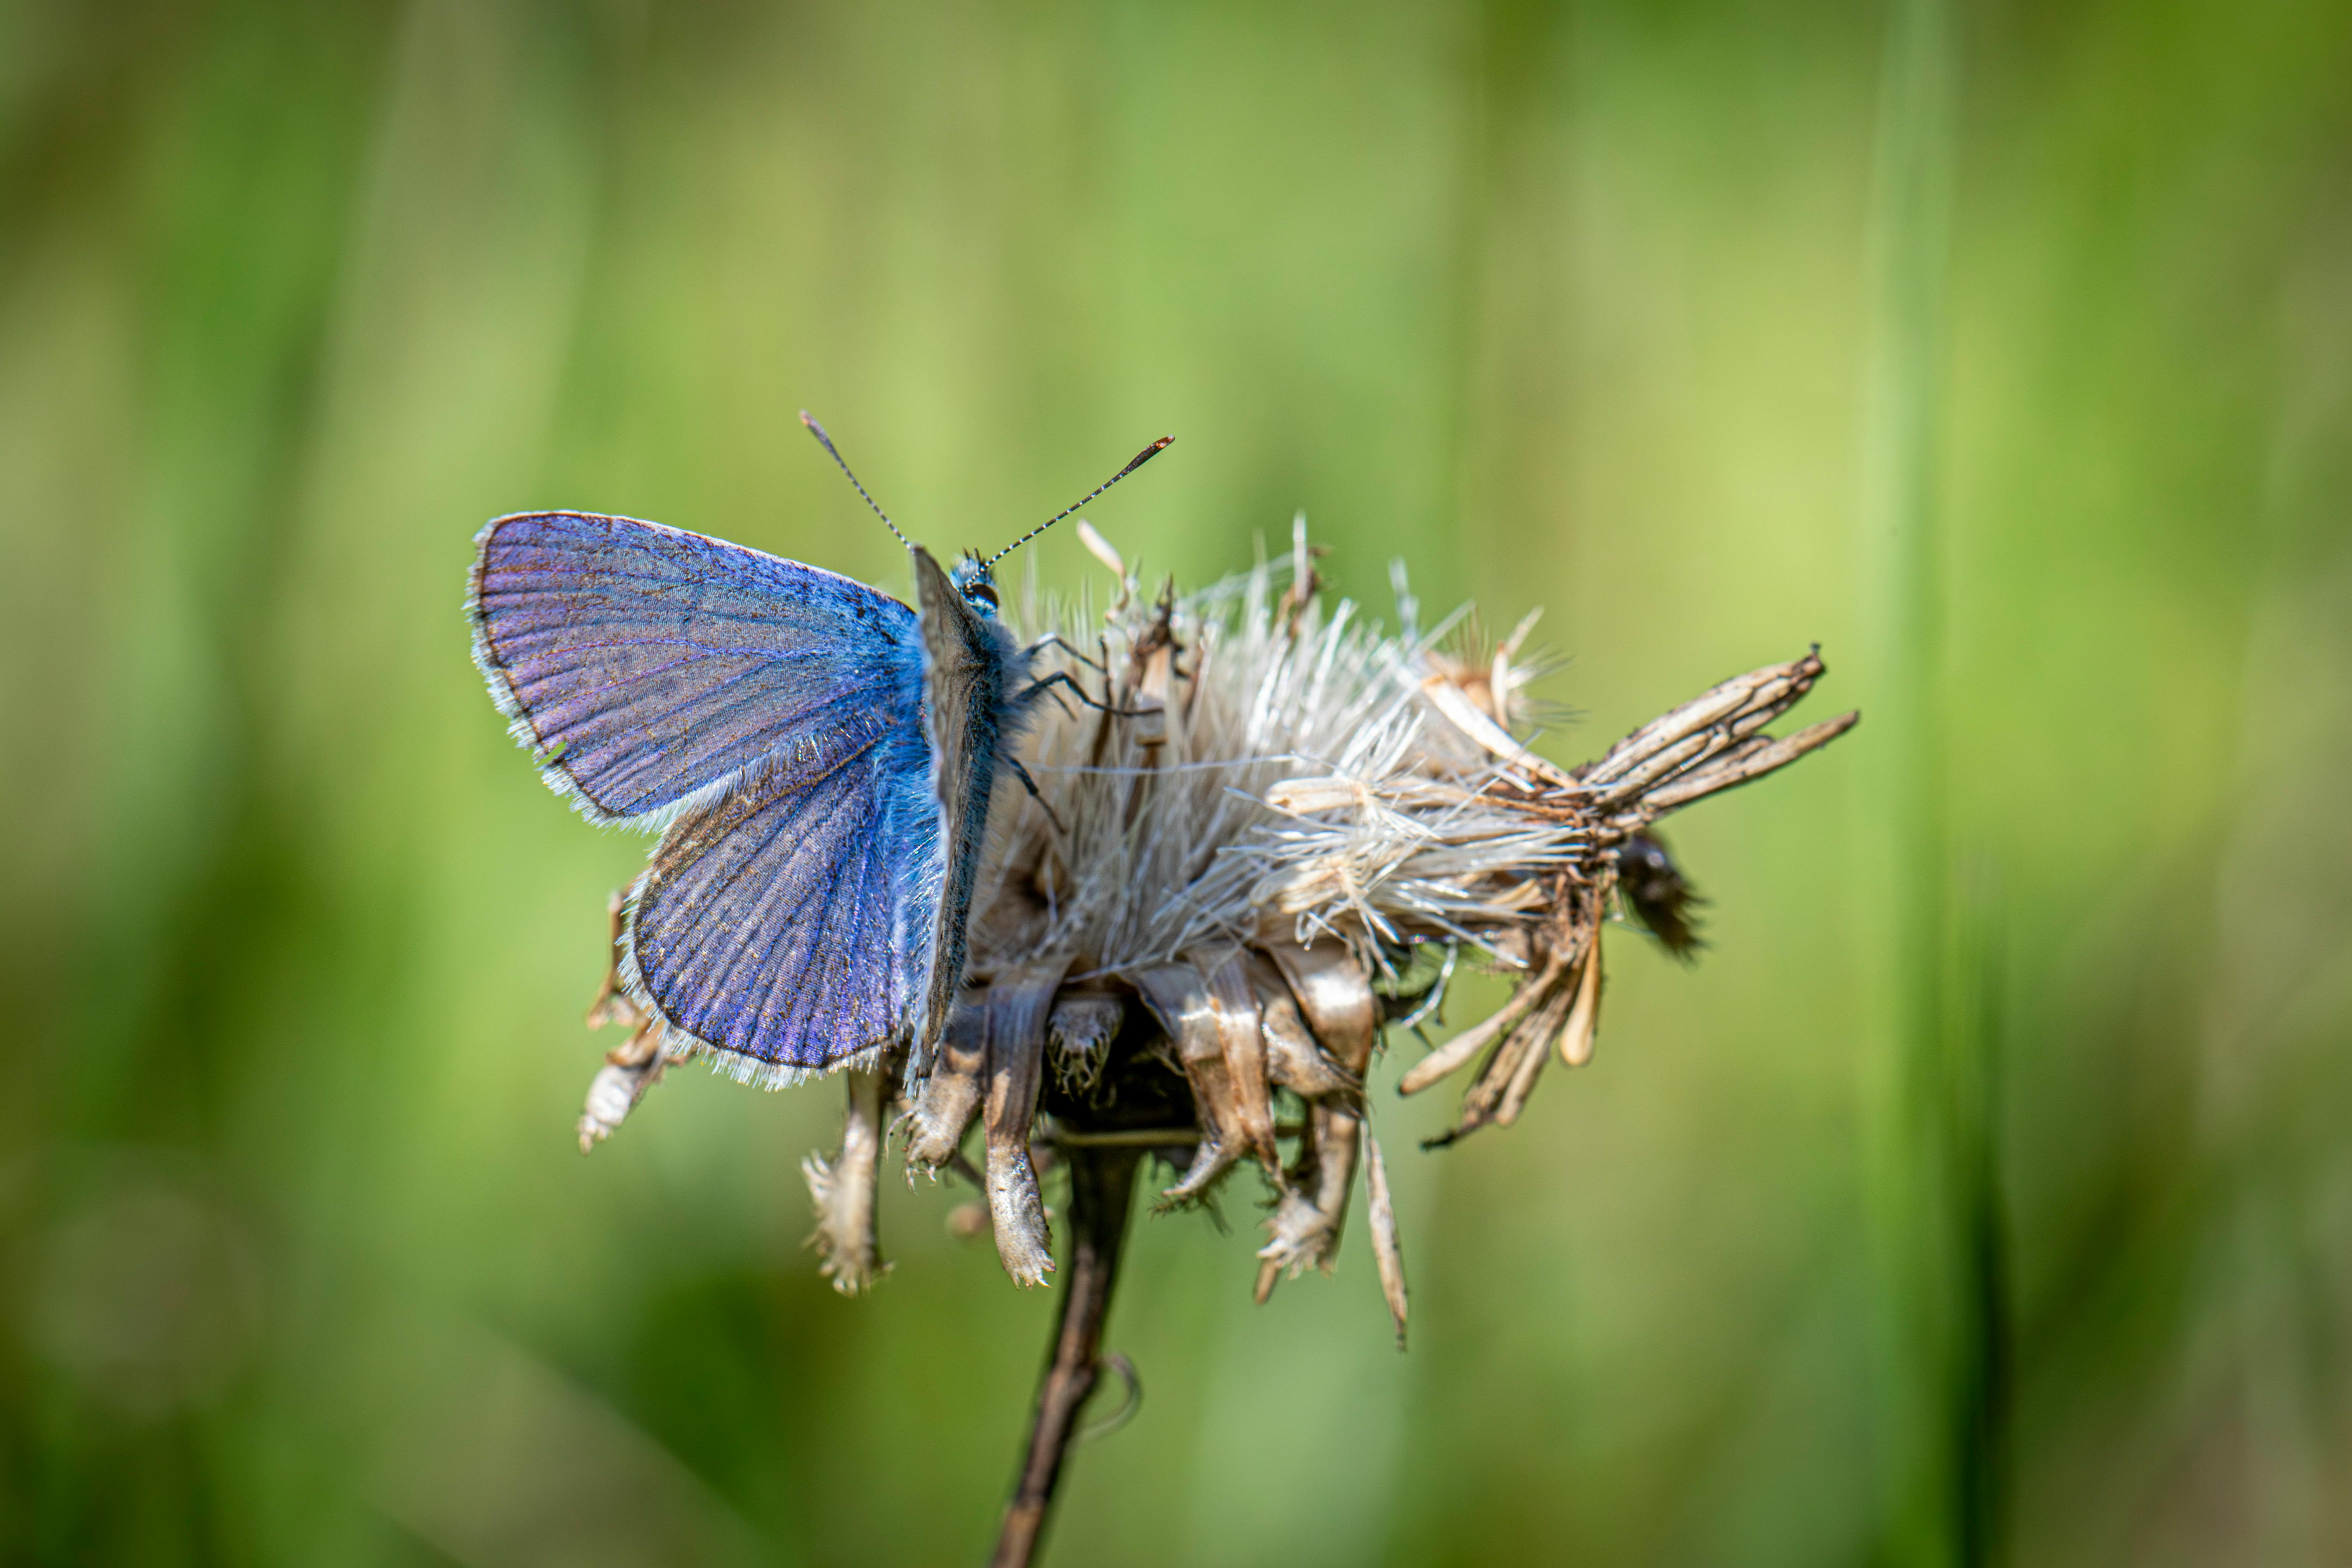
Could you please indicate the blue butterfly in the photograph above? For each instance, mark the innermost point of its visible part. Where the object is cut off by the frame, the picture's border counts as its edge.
(818, 757)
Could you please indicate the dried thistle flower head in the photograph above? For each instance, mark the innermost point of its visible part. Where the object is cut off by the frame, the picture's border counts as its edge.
(1286, 830)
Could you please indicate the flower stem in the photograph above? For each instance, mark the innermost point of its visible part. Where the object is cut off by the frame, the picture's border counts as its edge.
(1102, 1189)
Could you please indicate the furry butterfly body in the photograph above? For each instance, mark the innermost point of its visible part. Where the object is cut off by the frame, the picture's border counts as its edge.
(817, 756)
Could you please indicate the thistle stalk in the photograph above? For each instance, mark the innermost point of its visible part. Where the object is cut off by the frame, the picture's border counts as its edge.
(1102, 1193)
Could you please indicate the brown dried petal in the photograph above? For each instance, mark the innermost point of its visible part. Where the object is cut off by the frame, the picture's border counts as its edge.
(1339, 1137)
(1773, 689)
(1456, 1054)
(843, 1188)
(1304, 1231)
(1388, 1252)
(1149, 703)
(1304, 797)
(1298, 1231)
(1296, 1062)
(1018, 1002)
(1465, 715)
(1503, 1084)
(1294, 1058)
(1334, 993)
(630, 1069)
(614, 1004)
(1244, 1046)
(635, 1064)
(950, 1098)
(1744, 764)
(1103, 551)
(1583, 1021)
(1179, 999)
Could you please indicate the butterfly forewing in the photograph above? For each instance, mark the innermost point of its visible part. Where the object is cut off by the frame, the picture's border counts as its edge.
(641, 664)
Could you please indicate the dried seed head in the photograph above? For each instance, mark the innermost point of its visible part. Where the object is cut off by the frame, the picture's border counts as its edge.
(1232, 877)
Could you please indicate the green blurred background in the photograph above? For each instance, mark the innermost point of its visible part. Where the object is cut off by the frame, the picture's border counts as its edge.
(1983, 1196)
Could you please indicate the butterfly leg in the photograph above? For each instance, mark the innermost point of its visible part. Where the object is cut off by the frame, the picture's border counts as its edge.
(1059, 678)
(1053, 639)
(1031, 785)
(1019, 1003)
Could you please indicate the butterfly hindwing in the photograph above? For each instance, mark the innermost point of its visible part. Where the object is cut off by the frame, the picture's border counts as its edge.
(641, 664)
(767, 927)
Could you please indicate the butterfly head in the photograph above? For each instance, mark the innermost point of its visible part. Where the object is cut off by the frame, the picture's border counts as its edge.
(976, 583)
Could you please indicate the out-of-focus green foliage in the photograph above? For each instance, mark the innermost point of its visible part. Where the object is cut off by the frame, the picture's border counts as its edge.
(1573, 308)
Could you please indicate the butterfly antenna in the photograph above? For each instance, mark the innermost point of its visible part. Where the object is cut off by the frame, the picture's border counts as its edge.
(1139, 459)
(826, 442)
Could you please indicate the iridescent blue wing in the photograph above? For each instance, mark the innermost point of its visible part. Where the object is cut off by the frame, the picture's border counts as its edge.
(785, 926)
(789, 919)
(641, 664)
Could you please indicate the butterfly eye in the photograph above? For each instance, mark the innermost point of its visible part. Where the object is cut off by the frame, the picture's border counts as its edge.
(980, 592)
